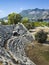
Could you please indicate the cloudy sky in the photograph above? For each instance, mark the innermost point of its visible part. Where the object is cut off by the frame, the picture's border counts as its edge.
(9, 6)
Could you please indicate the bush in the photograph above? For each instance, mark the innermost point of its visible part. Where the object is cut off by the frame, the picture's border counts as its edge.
(29, 25)
(4, 23)
(41, 36)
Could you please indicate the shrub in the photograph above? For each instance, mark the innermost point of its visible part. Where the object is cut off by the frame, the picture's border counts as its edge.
(41, 36)
(29, 25)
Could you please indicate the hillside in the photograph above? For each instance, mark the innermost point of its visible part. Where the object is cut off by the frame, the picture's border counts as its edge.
(34, 14)
(4, 18)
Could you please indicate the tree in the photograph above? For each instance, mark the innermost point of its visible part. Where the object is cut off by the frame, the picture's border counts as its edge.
(41, 36)
(3, 22)
(27, 23)
(40, 20)
(25, 20)
(14, 18)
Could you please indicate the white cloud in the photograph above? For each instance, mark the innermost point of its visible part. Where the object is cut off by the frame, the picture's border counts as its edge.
(21, 8)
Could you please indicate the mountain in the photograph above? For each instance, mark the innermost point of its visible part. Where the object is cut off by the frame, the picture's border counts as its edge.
(4, 18)
(36, 13)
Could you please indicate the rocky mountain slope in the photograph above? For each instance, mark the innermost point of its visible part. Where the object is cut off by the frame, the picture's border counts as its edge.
(36, 13)
(13, 40)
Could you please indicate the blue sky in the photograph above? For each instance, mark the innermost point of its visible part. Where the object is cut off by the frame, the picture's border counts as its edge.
(9, 6)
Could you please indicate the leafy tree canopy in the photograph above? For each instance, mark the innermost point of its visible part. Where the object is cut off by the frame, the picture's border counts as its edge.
(14, 18)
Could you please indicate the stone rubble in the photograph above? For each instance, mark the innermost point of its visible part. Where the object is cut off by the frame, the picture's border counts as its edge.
(13, 40)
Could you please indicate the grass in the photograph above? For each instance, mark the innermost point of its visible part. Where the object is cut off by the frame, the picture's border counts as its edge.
(1, 63)
(46, 55)
(40, 23)
(38, 53)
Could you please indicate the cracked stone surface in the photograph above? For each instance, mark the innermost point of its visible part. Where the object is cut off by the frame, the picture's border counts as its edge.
(12, 46)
